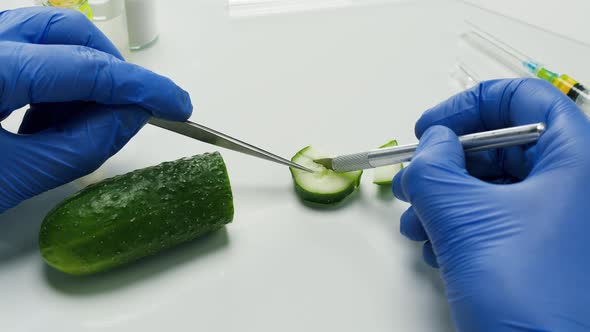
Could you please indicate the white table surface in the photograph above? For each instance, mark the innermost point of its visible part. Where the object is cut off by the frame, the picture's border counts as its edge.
(344, 79)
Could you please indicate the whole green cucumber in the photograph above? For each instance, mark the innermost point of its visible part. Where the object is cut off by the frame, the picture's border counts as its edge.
(137, 214)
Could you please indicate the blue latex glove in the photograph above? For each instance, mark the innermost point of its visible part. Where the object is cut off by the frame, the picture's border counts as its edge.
(86, 102)
(508, 227)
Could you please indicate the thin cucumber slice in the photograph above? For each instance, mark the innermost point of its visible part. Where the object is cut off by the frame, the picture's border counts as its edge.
(383, 176)
(324, 186)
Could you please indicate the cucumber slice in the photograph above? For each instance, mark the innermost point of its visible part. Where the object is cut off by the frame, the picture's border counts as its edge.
(324, 186)
(383, 176)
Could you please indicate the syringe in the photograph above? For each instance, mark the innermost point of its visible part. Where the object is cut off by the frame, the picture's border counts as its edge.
(566, 84)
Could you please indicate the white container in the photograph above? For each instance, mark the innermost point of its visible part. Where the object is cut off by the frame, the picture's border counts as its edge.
(142, 27)
(109, 17)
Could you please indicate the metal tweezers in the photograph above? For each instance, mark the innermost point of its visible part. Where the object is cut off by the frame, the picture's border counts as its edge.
(208, 135)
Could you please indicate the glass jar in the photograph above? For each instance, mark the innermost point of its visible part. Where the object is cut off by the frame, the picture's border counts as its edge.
(109, 17)
(141, 23)
(79, 5)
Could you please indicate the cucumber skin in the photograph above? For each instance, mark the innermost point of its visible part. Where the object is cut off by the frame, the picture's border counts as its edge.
(389, 144)
(323, 198)
(124, 218)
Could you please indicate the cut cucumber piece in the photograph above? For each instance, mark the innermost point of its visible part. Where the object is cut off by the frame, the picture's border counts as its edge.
(324, 186)
(141, 213)
(383, 176)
